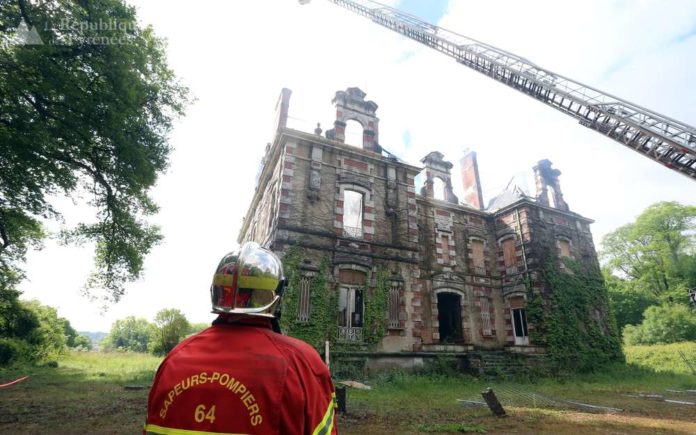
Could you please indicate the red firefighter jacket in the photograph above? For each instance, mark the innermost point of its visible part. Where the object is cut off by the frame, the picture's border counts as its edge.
(240, 377)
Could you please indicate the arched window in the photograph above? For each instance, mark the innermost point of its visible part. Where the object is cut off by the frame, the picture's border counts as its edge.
(354, 133)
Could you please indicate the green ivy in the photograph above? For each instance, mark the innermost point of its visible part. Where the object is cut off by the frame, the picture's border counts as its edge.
(322, 324)
(323, 302)
(376, 310)
(566, 322)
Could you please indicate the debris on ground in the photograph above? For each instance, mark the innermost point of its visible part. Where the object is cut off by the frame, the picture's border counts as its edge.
(526, 398)
(356, 384)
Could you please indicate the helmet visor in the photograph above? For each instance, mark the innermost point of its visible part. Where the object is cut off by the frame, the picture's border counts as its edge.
(247, 282)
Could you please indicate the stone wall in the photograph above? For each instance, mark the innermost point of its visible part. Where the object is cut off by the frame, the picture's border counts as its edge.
(450, 262)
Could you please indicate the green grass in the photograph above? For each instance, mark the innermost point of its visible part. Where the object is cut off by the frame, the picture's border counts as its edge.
(117, 367)
(663, 357)
(86, 394)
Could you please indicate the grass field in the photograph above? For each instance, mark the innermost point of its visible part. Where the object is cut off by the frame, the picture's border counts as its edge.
(86, 394)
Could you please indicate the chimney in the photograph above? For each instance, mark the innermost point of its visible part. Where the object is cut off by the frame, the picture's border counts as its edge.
(282, 109)
(548, 188)
(471, 181)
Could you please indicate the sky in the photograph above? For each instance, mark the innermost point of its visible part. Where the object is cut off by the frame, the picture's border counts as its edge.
(236, 57)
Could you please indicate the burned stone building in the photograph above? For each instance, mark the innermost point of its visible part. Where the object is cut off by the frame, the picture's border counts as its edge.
(460, 273)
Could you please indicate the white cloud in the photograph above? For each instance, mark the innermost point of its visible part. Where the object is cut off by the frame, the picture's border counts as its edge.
(236, 56)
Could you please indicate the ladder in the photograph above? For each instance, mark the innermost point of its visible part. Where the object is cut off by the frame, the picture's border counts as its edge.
(665, 140)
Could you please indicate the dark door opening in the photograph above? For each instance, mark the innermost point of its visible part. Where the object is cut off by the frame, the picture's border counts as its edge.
(450, 317)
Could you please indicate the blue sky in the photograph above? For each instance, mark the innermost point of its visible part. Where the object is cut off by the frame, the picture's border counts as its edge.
(430, 10)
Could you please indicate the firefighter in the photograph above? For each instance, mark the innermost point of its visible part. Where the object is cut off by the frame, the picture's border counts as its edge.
(239, 375)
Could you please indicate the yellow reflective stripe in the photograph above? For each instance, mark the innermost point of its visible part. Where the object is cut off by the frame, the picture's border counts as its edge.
(326, 424)
(159, 430)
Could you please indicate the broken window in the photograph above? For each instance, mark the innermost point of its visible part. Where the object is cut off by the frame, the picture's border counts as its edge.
(438, 189)
(350, 313)
(303, 305)
(509, 255)
(394, 305)
(352, 214)
(551, 196)
(353, 133)
(519, 316)
(478, 257)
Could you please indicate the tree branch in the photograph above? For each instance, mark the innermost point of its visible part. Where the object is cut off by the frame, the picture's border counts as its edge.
(24, 12)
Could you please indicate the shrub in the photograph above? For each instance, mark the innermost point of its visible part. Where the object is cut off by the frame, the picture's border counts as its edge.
(13, 351)
(663, 324)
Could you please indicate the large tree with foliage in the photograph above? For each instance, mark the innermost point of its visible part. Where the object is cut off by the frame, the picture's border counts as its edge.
(131, 334)
(627, 300)
(170, 327)
(86, 114)
(657, 252)
(663, 324)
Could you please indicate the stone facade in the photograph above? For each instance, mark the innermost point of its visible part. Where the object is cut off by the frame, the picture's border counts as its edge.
(460, 274)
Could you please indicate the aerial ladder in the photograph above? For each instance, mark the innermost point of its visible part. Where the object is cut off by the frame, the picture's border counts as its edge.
(665, 140)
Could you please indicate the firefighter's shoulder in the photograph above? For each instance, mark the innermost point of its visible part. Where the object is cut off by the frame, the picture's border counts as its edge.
(299, 352)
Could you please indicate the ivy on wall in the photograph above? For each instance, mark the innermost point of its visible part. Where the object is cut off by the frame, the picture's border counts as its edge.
(323, 321)
(323, 302)
(376, 310)
(572, 320)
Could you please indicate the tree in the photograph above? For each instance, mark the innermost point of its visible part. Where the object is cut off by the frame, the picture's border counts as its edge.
(48, 340)
(169, 328)
(627, 301)
(657, 252)
(197, 327)
(82, 342)
(131, 334)
(86, 114)
(663, 324)
(17, 326)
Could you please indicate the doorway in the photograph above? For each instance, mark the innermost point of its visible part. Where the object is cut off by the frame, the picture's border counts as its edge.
(449, 310)
(519, 321)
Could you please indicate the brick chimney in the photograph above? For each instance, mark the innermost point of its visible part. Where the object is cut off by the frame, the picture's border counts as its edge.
(548, 188)
(471, 181)
(282, 109)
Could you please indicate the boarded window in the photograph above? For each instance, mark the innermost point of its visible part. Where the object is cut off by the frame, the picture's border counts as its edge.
(445, 248)
(478, 256)
(563, 248)
(394, 305)
(352, 214)
(509, 255)
(303, 304)
(486, 318)
(351, 277)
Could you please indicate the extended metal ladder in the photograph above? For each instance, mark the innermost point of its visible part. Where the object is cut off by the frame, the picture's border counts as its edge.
(664, 140)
